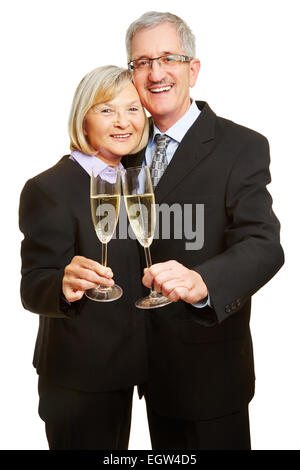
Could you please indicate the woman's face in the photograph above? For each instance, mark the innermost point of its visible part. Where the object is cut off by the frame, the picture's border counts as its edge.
(115, 128)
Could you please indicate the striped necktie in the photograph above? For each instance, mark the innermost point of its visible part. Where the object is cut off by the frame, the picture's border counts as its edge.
(159, 162)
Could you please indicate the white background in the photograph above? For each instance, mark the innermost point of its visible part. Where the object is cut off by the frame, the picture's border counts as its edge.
(249, 52)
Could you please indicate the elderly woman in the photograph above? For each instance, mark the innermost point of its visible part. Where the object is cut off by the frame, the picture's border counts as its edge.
(88, 355)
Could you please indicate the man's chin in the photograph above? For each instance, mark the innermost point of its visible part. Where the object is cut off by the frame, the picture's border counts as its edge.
(160, 111)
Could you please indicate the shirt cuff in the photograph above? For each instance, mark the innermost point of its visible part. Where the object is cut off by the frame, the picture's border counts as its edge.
(203, 303)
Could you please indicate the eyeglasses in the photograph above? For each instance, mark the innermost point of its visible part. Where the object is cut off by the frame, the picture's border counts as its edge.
(165, 61)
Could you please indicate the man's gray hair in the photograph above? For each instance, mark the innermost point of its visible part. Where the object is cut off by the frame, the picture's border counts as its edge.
(154, 18)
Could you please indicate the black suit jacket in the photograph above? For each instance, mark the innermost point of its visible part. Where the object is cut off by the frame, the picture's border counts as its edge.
(201, 361)
(88, 345)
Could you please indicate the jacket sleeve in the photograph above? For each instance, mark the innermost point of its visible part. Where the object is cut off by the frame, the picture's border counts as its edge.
(253, 252)
(48, 246)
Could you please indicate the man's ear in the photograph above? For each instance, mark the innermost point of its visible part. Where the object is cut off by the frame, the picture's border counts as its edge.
(194, 71)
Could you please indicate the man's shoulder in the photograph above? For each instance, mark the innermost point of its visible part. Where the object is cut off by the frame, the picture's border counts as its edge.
(228, 127)
(240, 130)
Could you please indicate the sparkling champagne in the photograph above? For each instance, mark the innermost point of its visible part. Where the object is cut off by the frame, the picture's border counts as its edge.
(105, 212)
(140, 206)
(141, 213)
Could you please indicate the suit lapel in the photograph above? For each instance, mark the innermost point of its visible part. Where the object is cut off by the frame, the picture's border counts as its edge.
(196, 145)
(133, 160)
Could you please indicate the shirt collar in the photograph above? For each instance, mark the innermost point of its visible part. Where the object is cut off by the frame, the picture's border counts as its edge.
(90, 162)
(180, 128)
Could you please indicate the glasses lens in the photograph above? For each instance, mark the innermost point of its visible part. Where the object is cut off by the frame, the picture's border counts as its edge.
(170, 59)
(141, 64)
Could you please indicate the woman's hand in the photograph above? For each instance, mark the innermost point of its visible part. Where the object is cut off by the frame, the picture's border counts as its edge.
(82, 274)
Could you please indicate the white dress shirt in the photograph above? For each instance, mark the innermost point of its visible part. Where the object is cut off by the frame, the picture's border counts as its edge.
(176, 133)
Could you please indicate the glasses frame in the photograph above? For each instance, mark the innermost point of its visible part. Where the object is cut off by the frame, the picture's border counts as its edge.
(182, 58)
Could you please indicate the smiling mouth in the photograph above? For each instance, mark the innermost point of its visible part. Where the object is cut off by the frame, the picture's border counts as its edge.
(160, 89)
(121, 137)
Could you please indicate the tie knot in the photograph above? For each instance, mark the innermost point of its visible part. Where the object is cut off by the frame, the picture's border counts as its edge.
(162, 141)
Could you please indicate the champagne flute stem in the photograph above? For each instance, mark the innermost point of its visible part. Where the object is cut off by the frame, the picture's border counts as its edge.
(148, 256)
(104, 254)
(149, 264)
(104, 263)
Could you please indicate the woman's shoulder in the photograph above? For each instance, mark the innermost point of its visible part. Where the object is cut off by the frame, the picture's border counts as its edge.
(65, 167)
(63, 172)
(58, 180)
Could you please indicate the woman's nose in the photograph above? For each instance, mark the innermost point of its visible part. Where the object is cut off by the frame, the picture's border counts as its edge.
(121, 120)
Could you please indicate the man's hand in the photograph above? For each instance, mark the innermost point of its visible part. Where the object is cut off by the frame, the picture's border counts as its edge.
(82, 274)
(175, 281)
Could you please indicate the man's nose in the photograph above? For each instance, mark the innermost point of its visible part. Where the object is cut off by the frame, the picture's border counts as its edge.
(156, 72)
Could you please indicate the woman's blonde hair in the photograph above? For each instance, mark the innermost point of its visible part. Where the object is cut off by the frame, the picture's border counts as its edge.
(98, 86)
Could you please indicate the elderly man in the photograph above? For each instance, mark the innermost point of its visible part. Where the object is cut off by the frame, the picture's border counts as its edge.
(201, 371)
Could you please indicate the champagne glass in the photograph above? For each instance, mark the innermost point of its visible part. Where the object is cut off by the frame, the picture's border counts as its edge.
(105, 193)
(140, 207)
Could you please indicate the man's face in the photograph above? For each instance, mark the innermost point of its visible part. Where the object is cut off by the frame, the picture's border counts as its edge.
(163, 91)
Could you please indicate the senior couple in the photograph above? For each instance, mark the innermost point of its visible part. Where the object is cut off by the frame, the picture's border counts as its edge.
(192, 360)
